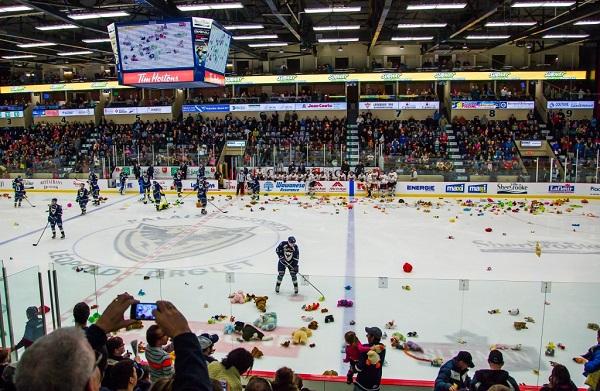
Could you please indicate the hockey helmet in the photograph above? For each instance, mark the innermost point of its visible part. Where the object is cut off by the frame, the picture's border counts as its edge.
(292, 240)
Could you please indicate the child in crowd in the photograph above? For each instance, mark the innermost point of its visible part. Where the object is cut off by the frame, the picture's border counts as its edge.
(353, 350)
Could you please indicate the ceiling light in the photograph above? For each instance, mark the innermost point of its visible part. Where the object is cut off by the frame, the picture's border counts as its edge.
(436, 6)
(258, 36)
(340, 49)
(537, 4)
(336, 28)
(36, 44)
(56, 27)
(96, 40)
(281, 51)
(98, 15)
(401, 47)
(267, 45)
(586, 22)
(421, 25)
(15, 8)
(564, 36)
(336, 40)
(16, 57)
(206, 7)
(425, 38)
(245, 27)
(465, 47)
(78, 53)
(528, 45)
(509, 24)
(488, 36)
(327, 10)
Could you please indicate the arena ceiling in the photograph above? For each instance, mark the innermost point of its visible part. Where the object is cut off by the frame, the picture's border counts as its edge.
(301, 24)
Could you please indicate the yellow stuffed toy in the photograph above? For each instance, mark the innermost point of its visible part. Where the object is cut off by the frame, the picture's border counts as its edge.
(373, 357)
(301, 336)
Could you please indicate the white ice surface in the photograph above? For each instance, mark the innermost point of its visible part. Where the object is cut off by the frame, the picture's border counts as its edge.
(128, 240)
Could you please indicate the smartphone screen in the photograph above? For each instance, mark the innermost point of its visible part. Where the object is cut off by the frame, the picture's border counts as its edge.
(142, 311)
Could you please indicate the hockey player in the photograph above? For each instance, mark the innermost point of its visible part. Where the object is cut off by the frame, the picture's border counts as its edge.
(201, 186)
(177, 182)
(146, 186)
(288, 254)
(55, 218)
(141, 186)
(94, 188)
(393, 180)
(83, 197)
(19, 188)
(310, 183)
(160, 201)
(122, 181)
(254, 186)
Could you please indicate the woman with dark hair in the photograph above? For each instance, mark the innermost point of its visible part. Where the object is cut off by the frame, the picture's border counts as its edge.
(285, 380)
(559, 380)
(231, 369)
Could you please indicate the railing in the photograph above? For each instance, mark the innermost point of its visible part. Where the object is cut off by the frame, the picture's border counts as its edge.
(448, 314)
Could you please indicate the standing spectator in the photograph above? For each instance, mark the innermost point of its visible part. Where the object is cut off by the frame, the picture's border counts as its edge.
(136, 170)
(34, 329)
(453, 374)
(150, 172)
(159, 360)
(4, 364)
(559, 380)
(231, 369)
(183, 168)
(241, 180)
(219, 178)
(485, 378)
(207, 344)
(81, 313)
(369, 376)
(591, 365)
(414, 175)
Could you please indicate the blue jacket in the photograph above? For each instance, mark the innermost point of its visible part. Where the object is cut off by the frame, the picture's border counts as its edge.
(593, 357)
(449, 374)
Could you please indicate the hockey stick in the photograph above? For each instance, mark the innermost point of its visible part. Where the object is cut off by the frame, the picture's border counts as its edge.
(30, 204)
(219, 209)
(38, 241)
(322, 298)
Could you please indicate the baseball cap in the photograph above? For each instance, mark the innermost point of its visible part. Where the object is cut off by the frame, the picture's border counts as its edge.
(214, 338)
(495, 357)
(292, 239)
(374, 331)
(205, 343)
(466, 358)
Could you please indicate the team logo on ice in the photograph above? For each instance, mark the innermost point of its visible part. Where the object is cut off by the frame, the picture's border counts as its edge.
(153, 243)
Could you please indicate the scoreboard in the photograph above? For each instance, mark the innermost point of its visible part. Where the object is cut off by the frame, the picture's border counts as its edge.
(178, 53)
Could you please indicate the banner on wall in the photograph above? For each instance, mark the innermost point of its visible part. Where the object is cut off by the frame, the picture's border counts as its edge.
(406, 105)
(216, 108)
(287, 106)
(62, 112)
(492, 105)
(137, 110)
(11, 114)
(570, 105)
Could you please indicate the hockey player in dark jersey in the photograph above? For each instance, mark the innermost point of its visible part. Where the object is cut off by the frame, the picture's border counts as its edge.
(160, 201)
(122, 181)
(83, 197)
(288, 254)
(55, 218)
(201, 186)
(94, 188)
(254, 186)
(177, 182)
(146, 186)
(19, 188)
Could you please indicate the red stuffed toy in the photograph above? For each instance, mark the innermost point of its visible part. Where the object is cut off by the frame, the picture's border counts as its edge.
(407, 267)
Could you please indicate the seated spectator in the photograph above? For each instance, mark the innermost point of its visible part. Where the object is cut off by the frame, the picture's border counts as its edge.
(258, 384)
(5, 384)
(591, 365)
(124, 376)
(81, 314)
(207, 344)
(485, 378)
(559, 380)
(284, 380)
(164, 384)
(159, 359)
(453, 374)
(231, 368)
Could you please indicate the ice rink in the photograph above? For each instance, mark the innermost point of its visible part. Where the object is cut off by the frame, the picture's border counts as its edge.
(460, 272)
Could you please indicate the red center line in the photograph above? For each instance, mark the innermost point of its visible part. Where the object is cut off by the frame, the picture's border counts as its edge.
(147, 259)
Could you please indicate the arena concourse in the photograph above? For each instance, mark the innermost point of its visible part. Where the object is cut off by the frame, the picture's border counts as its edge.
(299, 196)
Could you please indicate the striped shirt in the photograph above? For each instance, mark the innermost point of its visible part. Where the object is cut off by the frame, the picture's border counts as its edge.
(160, 363)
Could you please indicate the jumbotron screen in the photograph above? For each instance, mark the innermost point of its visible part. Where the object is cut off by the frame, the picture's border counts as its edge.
(182, 53)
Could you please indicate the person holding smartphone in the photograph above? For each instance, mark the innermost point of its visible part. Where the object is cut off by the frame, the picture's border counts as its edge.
(591, 365)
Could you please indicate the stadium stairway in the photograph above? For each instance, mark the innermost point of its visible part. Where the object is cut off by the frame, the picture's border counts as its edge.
(352, 145)
(453, 152)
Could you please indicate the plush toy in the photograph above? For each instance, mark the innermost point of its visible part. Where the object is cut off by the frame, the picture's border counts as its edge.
(593, 326)
(256, 352)
(529, 319)
(494, 311)
(373, 359)
(238, 298)
(550, 349)
(301, 336)
(249, 297)
(399, 337)
(396, 343)
(345, 303)
(538, 249)
(310, 307)
(412, 347)
(391, 325)
(520, 325)
(330, 372)
(229, 328)
(514, 311)
(313, 325)
(285, 344)
(261, 303)
(407, 267)
(250, 333)
(412, 334)
(437, 362)
(329, 319)
(267, 321)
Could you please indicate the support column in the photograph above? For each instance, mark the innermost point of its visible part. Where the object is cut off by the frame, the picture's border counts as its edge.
(597, 86)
